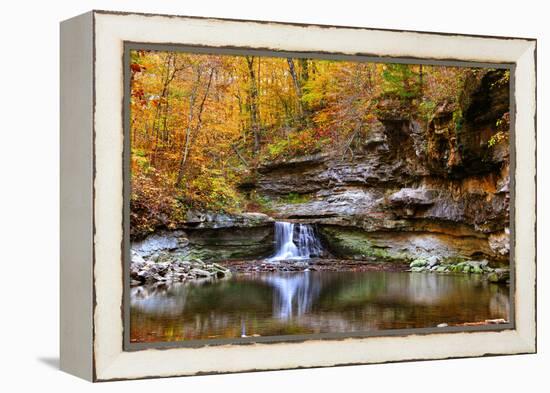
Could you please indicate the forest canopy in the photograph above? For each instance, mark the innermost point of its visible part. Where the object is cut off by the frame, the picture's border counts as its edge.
(200, 125)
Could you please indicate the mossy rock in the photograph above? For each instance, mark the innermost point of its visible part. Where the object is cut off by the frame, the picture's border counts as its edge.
(348, 243)
(418, 269)
(454, 260)
(419, 263)
(477, 270)
(499, 276)
(455, 268)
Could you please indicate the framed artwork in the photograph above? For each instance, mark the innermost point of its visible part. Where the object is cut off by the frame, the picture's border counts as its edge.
(245, 195)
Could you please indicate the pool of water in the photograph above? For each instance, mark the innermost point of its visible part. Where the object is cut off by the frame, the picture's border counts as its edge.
(268, 304)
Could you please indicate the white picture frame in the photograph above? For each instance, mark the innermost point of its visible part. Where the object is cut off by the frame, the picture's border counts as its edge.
(92, 194)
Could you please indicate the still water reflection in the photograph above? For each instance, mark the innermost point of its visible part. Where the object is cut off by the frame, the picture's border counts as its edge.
(310, 302)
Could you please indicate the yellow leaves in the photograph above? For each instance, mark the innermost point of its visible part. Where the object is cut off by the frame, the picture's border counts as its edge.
(196, 118)
(497, 138)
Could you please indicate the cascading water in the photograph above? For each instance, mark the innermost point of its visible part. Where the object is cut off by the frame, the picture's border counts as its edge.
(306, 245)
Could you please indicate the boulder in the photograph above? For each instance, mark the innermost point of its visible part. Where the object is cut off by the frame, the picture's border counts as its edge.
(200, 272)
(499, 276)
(433, 261)
(418, 269)
(419, 263)
(136, 258)
(412, 197)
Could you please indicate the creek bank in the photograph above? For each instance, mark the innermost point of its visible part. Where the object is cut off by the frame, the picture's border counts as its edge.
(172, 256)
(435, 264)
(315, 264)
(146, 272)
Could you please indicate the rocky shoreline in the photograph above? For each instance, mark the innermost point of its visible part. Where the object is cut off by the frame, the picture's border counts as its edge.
(435, 265)
(315, 265)
(148, 272)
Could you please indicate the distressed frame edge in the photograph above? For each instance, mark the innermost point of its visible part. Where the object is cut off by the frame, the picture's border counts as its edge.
(527, 182)
(304, 24)
(529, 348)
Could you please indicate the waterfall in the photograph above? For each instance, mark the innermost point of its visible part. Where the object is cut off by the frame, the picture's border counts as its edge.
(308, 243)
(306, 246)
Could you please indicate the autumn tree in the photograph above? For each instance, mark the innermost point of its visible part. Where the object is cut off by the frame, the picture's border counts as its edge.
(200, 124)
(402, 80)
(253, 105)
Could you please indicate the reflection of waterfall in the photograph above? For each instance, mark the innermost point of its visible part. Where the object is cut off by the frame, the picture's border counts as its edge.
(307, 245)
(305, 302)
(294, 293)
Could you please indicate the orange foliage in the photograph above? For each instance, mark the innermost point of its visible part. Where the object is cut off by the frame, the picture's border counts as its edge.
(201, 123)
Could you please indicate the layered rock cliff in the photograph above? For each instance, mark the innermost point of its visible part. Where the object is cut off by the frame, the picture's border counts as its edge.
(411, 187)
(208, 236)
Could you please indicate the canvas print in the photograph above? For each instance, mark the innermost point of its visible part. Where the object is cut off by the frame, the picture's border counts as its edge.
(284, 196)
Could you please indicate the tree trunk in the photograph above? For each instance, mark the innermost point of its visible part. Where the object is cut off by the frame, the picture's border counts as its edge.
(163, 107)
(189, 130)
(305, 71)
(238, 153)
(298, 89)
(253, 96)
(421, 81)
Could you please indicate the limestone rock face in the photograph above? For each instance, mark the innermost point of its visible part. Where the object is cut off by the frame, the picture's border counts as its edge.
(408, 189)
(209, 220)
(411, 187)
(346, 242)
(412, 197)
(212, 237)
(237, 243)
(500, 242)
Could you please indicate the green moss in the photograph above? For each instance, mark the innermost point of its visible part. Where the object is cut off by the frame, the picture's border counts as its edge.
(427, 109)
(477, 270)
(356, 244)
(418, 269)
(420, 262)
(295, 198)
(454, 260)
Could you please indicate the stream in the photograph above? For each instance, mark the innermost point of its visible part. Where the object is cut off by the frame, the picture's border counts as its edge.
(303, 302)
(267, 304)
